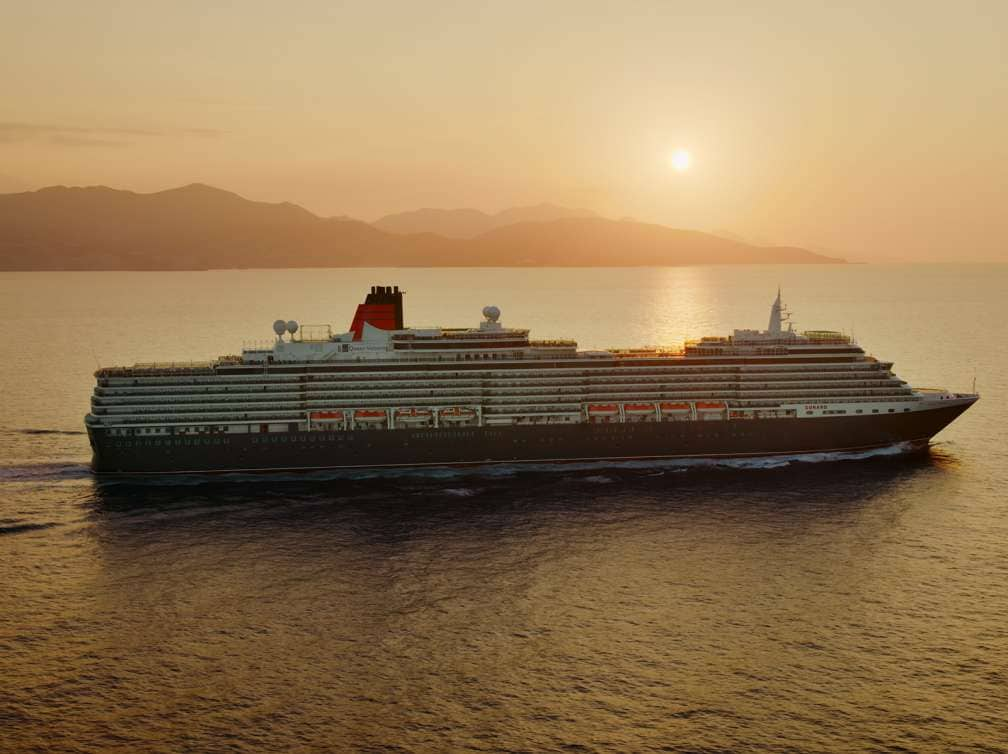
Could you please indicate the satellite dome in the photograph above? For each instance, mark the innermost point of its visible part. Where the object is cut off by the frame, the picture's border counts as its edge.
(279, 327)
(492, 313)
(292, 327)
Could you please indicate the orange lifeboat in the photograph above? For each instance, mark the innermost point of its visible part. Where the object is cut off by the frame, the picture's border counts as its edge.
(369, 416)
(327, 416)
(638, 409)
(457, 414)
(413, 415)
(674, 408)
(711, 406)
(707, 410)
(603, 409)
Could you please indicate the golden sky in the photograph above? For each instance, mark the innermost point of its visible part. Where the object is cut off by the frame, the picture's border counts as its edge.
(875, 130)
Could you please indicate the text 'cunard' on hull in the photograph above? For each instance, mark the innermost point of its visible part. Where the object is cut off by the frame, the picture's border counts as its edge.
(384, 395)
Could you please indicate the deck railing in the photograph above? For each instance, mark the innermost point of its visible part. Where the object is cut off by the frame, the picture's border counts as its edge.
(157, 367)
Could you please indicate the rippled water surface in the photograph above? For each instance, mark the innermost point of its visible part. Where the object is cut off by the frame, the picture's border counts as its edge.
(824, 604)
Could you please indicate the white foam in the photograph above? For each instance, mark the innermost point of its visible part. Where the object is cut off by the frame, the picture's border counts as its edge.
(460, 491)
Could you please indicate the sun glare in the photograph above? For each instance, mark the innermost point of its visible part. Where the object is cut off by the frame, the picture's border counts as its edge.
(680, 160)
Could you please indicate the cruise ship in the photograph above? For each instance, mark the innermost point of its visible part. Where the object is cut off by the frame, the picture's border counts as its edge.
(385, 395)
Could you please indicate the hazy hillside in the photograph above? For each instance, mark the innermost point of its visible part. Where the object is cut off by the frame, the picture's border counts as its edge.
(200, 227)
(193, 227)
(469, 223)
(598, 242)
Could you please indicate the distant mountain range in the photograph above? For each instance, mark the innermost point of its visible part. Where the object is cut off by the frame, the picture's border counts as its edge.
(469, 223)
(200, 227)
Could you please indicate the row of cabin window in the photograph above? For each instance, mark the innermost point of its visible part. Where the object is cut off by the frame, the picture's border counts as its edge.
(131, 432)
(858, 411)
(263, 428)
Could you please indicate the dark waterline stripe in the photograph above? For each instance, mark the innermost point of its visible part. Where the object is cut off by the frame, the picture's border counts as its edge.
(916, 444)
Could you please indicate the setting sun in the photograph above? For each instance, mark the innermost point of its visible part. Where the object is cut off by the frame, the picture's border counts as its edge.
(680, 160)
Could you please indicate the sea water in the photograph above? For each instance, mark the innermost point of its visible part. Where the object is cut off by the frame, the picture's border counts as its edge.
(808, 604)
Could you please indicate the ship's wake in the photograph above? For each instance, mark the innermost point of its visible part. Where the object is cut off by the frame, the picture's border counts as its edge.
(31, 431)
(42, 472)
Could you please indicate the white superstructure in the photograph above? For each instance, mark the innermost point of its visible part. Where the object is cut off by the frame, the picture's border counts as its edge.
(376, 377)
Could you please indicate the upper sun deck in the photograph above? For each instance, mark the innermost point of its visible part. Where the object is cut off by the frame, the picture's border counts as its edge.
(776, 339)
(745, 342)
(168, 368)
(377, 334)
(377, 337)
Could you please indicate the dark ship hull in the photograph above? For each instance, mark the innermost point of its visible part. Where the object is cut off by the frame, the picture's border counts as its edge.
(300, 450)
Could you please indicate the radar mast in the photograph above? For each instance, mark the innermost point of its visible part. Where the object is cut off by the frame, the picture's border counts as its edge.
(774, 328)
